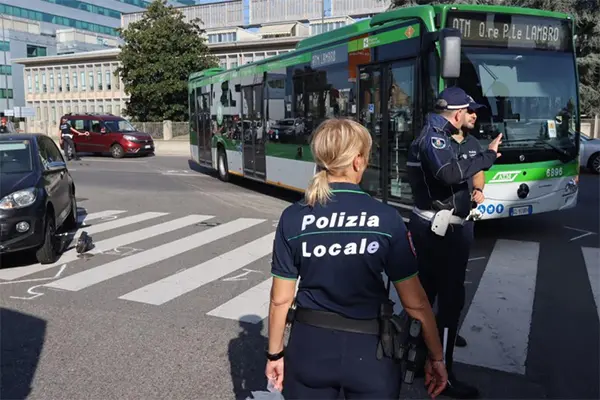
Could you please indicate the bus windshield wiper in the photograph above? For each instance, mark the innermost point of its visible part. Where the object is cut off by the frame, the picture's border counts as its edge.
(557, 149)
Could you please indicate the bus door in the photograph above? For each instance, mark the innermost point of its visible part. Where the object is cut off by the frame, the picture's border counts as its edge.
(386, 108)
(204, 128)
(253, 131)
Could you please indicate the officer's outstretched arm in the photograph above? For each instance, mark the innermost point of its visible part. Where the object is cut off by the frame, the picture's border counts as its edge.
(437, 152)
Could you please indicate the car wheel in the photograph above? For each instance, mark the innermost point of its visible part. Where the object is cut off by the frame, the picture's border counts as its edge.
(47, 254)
(594, 163)
(117, 151)
(222, 167)
(71, 221)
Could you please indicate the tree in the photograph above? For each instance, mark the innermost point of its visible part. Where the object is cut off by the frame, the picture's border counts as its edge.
(160, 52)
(587, 15)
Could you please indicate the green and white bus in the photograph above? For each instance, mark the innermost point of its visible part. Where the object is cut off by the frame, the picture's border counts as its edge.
(255, 121)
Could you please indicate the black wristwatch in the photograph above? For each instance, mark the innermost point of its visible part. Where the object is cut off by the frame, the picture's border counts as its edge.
(478, 189)
(274, 357)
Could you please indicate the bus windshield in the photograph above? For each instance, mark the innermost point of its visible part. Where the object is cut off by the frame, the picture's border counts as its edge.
(529, 96)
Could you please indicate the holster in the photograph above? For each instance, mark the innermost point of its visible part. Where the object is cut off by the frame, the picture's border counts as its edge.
(393, 333)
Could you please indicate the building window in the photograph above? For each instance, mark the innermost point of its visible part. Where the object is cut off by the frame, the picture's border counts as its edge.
(82, 76)
(80, 5)
(56, 19)
(6, 93)
(74, 80)
(36, 51)
(108, 85)
(91, 81)
(4, 46)
(67, 87)
(99, 79)
(51, 82)
(59, 76)
(37, 83)
(29, 83)
(5, 70)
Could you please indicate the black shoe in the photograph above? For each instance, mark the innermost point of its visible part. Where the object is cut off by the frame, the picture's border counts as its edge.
(460, 341)
(460, 390)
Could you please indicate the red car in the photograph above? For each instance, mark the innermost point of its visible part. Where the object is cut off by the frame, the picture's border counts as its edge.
(109, 134)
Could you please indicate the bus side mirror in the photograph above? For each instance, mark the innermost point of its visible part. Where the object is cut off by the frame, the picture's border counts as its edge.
(450, 43)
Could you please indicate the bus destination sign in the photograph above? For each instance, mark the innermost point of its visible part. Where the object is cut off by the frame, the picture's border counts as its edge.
(510, 30)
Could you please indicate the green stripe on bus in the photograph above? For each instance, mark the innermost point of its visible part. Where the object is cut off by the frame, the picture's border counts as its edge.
(508, 173)
(380, 39)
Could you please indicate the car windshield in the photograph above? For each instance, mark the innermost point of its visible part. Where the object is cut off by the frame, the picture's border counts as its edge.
(532, 104)
(119, 125)
(15, 156)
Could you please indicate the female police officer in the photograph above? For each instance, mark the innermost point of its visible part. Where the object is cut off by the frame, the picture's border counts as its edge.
(340, 241)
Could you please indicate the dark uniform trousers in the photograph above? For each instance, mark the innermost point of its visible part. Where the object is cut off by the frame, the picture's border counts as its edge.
(69, 147)
(442, 269)
(337, 361)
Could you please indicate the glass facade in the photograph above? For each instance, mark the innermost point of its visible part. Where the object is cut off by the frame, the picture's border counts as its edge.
(83, 6)
(56, 19)
(6, 93)
(139, 3)
(4, 46)
(36, 51)
(5, 70)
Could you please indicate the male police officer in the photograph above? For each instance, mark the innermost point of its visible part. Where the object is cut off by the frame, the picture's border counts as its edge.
(439, 181)
(66, 134)
(466, 146)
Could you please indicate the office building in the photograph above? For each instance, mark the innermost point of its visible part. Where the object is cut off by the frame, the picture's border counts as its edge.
(237, 31)
(35, 28)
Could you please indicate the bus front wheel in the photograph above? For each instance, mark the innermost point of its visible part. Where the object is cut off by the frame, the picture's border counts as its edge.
(222, 167)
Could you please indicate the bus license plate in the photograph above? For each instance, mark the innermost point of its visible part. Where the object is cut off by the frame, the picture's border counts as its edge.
(516, 211)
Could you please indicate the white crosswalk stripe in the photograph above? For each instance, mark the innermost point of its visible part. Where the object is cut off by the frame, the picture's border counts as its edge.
(497, 323)
(502, 308)
(121, 266)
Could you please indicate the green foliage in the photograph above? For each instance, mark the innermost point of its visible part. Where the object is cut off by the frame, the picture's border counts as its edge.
(160, 52)
(587, 15)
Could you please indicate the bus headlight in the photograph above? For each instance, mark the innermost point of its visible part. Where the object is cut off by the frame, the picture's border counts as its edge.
(571, 187)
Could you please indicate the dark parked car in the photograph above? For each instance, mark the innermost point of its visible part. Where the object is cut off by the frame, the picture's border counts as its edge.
(109, 134)
(37, 196)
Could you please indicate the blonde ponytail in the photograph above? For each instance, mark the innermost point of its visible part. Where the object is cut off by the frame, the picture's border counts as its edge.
(318, 189)
(335, 144)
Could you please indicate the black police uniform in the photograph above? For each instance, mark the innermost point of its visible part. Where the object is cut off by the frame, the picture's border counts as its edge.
(468, 148)
(67, 137)
(440, 180)
(340, 251)
(4, 129)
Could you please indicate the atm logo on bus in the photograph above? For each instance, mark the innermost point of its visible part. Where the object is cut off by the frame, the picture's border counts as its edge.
(505, 176)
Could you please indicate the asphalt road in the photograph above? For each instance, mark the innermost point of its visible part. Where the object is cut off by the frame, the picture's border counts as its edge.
(172, 301)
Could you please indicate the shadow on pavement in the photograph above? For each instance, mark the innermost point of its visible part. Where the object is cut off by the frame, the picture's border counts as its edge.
(22, 339)
(247, 358)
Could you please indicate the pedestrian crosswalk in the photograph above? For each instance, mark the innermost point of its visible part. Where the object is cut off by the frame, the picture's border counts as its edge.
(498, 320)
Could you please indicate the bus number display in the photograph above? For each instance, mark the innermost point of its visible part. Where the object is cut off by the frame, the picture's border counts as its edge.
(509, 30)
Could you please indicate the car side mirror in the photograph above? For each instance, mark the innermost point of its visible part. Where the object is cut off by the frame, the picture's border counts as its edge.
(450, 49)
(56, 166)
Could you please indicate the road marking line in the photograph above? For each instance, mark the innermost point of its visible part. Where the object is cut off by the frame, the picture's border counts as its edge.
(591, 257)
(118, 223)
(137, 261)
(251, 306)
(499, 318)
(106, 245)
(173, 286)
(88, 217)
